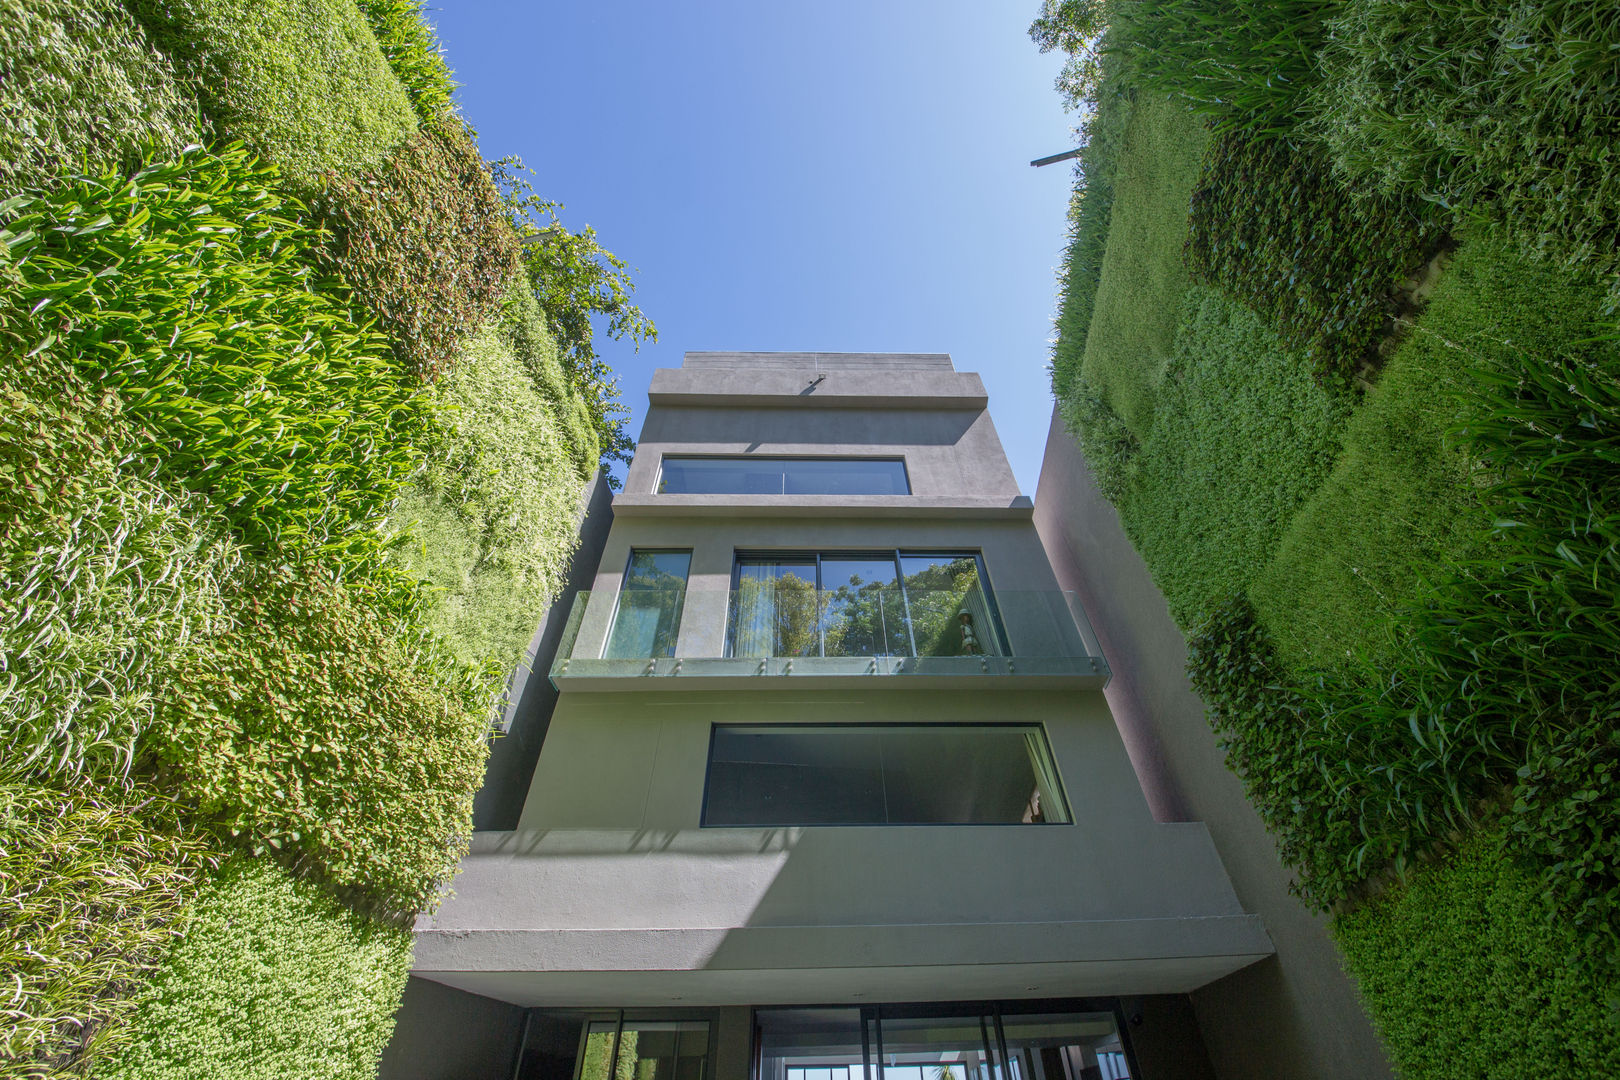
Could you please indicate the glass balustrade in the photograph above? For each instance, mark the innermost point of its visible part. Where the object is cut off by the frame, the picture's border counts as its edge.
(785, 627)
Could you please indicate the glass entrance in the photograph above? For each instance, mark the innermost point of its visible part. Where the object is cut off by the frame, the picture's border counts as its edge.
(966, 1041)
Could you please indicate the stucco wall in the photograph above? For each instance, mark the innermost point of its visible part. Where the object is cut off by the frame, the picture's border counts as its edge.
(1296, 1015)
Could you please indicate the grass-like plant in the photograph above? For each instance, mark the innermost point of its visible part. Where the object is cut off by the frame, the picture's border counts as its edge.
(274, 979)
(319, 730)
(493, 518)
(81, 87)
(1241, 437)
(425, 242)
(413, 51)
(301, 82)
(1246, 63)
(1506, 111)
(183, 292)
(1131, 333)
(1272, 225)
(94, 883)
(1466, 976)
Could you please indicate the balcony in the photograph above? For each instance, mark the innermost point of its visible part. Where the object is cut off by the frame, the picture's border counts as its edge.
(874, 638)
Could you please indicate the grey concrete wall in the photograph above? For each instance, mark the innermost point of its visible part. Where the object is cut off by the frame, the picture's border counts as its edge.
(512, 755)
(610, 871)
(1297, 1015)
(441, 1033)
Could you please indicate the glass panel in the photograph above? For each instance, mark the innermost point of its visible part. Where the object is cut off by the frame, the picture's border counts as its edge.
(782, 476)
(950, 613)
(647, 1050)
(935, 1048)
(774, 609)
(921, 774)
(794, 775)
(1065, 1046)
(809, 1044)
(863, 611)
(648, 620)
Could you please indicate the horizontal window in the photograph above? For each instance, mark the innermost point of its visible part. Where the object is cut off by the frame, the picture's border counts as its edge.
(881, 774)
(870, 603)
(782, 476)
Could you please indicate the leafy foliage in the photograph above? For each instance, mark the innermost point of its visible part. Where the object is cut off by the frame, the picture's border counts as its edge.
(1241, 438)
(575, 281)
(81, 85)
(1246, 63)
(1077, 28)
(1275, 228)
(302, 82)
(523, 327)
(309, 729)
(425, 242)
(413, 51)
(1509, 111)
(1466, 977)
(1403, 501)
(181, 291)
(93, 884)
(1505, 673)
(496, 506)
(1108, 446)
(273, 979)
(1101, 134)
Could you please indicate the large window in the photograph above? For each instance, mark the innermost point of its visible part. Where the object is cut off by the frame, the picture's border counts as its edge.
(967, 1041)
(881, 774)
(782, 476)
(873, 603)
(648, 618)
(645, 1050)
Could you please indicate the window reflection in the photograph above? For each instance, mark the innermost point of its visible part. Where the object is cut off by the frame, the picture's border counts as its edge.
(782, 476)
(648, 619)
(889, 603)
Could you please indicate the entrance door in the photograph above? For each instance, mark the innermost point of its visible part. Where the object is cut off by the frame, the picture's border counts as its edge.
(956, 1041)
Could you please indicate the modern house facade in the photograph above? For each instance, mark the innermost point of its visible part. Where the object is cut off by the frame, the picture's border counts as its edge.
(827, 782)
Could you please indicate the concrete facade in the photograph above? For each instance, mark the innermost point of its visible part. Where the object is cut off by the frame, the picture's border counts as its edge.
(1314, 1027)
(610, 893)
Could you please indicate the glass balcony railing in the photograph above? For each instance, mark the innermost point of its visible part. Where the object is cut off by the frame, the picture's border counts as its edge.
(769, 630)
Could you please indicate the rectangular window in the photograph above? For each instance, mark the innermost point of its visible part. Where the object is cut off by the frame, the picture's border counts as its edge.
(782, 476)
(645, 1050)
(648, 618)
(881, 774)
(873, 603)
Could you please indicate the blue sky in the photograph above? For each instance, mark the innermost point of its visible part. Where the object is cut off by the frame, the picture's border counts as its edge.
(784, 175)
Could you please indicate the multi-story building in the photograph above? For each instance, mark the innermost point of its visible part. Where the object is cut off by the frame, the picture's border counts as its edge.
(826, 779)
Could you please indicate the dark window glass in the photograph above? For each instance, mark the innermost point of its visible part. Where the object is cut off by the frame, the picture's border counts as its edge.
(782, 476)
(650, 601)
(646, 1050)
(876, 774)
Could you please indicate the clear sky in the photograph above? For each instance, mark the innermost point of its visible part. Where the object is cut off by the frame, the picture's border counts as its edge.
(835, 175)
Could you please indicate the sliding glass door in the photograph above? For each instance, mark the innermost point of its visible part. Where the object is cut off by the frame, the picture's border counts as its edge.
(862, 603)
(962, 1041)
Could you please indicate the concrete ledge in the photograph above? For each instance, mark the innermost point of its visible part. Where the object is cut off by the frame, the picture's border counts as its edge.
(788, 964)
(1019, 508)
(796, 387)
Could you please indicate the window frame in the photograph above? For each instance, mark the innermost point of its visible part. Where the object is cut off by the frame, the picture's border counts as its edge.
(905, 473)
(896, 553)
(1062, 790)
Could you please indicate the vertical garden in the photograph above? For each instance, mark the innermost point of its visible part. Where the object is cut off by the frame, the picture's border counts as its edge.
(297, 404)
(1337, 336)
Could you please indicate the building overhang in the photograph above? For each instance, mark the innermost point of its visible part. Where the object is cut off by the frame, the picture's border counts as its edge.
(831, 964)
